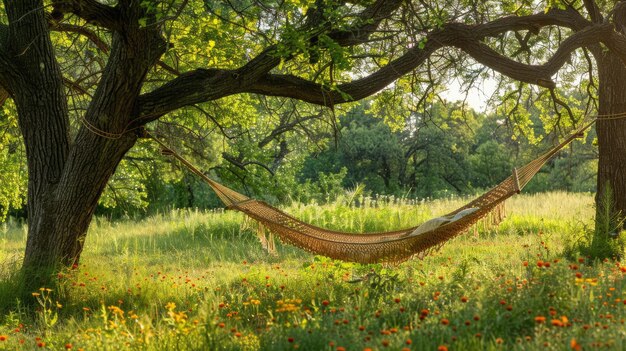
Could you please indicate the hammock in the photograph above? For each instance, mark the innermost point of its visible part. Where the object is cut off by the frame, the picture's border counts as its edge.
(395, 246)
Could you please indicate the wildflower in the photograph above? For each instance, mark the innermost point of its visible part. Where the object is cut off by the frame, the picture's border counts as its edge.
(464, 298)
(325, 302)
(396, 300)
(499, 341)
(557, 323)
(444, 321)
(341, 348)
(3, 338)
(442, 348)
(68, 346)
(575, 345)
(290, 339)
(540, 319)
(170, 306)
(41, 344)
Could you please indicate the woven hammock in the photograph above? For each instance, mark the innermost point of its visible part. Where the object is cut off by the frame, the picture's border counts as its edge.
(395, 246)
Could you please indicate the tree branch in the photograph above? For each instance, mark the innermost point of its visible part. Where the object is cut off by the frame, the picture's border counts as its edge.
(204, 85)
(90, 10)
(371, 18)
(283, 128)
(86, 32)
(593, 10)
(4, 95)
(242, 164)
(457, 35)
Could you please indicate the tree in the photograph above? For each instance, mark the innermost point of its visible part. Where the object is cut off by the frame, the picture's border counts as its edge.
(86, 76)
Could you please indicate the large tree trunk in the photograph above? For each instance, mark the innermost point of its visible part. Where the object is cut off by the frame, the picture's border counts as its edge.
(66, 178)
(58, 227)
(612, 132)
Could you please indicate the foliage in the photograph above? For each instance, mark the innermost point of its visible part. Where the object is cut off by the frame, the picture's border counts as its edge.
(12, 164)
(446, 151)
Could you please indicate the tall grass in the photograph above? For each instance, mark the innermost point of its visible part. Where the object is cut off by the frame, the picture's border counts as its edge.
(195, 280)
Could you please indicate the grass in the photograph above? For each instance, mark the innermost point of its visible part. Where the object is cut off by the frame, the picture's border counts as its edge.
(190, 280)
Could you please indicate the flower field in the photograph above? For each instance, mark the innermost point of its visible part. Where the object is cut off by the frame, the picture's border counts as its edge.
(190, 280)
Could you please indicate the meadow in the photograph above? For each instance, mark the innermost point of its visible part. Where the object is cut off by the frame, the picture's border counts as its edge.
(192, 280)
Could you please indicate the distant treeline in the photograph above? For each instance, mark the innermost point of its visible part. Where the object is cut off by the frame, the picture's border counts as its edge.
(441, 151)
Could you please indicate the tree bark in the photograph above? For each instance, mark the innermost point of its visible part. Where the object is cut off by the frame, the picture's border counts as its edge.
(66, 178)
(612, 132)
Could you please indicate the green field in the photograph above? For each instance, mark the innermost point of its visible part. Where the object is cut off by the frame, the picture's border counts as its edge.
(191, 280)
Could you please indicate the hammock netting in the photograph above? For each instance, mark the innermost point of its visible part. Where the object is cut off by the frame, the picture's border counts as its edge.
(394, 246)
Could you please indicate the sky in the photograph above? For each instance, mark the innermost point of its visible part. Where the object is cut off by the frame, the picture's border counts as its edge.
(477, 97)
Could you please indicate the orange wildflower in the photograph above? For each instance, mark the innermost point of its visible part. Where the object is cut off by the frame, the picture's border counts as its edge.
(557, 323)
(3, 337)
(575, 345)
(540, 319)
(442, 348)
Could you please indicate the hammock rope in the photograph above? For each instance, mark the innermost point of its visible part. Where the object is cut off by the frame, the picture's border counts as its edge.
(393, 246)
